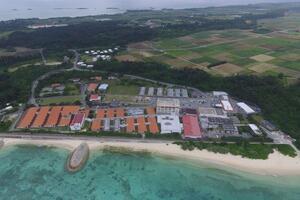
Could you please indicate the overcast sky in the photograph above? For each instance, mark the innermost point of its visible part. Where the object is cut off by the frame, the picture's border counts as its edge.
(124, 3)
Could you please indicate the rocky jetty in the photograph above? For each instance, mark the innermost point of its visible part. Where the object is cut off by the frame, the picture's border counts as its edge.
(78, 158)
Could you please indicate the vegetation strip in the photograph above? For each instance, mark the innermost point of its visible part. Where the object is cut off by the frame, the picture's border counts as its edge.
(244, 149)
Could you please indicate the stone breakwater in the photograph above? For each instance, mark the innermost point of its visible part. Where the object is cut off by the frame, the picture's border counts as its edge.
(78, 158)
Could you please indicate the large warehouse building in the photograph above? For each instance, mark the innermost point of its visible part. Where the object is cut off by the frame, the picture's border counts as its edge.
(191, 127)
(168, 106)
(169, 124)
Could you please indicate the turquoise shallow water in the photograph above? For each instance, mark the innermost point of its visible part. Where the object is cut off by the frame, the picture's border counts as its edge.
(37, 173)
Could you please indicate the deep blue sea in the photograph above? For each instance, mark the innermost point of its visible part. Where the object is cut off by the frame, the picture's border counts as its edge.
(38, 173)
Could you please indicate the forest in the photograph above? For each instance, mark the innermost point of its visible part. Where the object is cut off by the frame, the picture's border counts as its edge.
(118, 32)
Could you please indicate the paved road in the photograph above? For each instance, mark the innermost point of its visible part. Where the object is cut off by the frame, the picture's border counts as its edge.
(35, 83)
(32, 99)
(19, 113)
(76, 60)
(43, 57)
(83, 88)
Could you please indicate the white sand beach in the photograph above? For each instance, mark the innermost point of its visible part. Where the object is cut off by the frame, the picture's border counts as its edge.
(277, 164)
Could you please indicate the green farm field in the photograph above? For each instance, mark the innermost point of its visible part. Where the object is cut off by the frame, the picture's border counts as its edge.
(243, 51)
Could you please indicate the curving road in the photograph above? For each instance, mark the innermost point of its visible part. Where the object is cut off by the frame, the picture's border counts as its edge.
(32, 99)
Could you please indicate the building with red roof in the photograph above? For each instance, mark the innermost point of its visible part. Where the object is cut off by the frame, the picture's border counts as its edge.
(77, 122)
(92, 87)
(191, 127)
(95, 97)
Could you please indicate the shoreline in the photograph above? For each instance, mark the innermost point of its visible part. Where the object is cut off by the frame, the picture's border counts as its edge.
(276, 165)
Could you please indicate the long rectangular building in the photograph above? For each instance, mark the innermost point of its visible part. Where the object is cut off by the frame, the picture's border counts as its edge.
(167, 106)
(142, 128)
(150, 111)
(53, 117)
(66, 115)
(191, 127)
(120, 112)
(100, 114)
(110, 113)
(40, 117)
(28, 118)
(159, 92)
(77, 122)
(247, 109)
(130, 125)
(153, 127)
(151, 91)
(96, 125)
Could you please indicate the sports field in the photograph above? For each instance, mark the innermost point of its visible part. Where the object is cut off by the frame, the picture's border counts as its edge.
(58, 100)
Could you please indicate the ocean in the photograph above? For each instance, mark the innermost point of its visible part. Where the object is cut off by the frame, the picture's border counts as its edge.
(38, 173)
(15, 9)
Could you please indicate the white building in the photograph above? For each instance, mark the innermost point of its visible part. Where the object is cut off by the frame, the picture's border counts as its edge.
(168, 106)
(103, 87)
(169, 124)
(227, 105)
(90, 66)
(245, 108)
(219, 93)
(77, 122)
(255, 129)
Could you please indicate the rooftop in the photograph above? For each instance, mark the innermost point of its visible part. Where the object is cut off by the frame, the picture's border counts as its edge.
(246, 108)
(169, 123)
(191, 126)
(92, 86)
(103, 86)
(168, 102)
(94, 97)
(227, 105)
(78, 118)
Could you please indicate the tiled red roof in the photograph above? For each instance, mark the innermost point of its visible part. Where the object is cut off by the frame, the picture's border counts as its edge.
(78, 118)
(191, 126)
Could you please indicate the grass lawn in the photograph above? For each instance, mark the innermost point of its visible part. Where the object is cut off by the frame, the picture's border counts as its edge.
(117, 87)
(86, 58)
(127, 86)
(71, 89)
(123, 98)
(58, 100)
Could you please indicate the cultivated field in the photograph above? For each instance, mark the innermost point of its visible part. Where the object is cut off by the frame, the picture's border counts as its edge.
(228, 52)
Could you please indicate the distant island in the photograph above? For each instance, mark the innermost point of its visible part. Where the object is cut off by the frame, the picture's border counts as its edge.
(112, 8)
